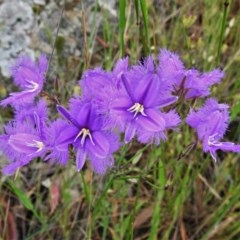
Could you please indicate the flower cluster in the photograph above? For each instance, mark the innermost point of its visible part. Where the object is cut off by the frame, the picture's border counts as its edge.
(136, 101)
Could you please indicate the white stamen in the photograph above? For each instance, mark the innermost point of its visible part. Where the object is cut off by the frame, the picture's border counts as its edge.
(84, 133)
(137, 108)
(37, 144)
(32, 86)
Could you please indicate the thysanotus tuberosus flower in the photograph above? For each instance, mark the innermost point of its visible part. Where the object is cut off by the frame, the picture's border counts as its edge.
(29, 77)
(138, 109)
(211, 122)
(87, 136)
(24, 137)
(187, 82)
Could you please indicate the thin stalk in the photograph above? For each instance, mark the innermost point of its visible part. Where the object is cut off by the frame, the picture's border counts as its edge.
(223, 27)
(122, 24)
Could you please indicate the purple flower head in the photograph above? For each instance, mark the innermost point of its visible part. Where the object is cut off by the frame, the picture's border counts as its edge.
(88, 137)
(138, 108)
(98, 87)
(29, 77)
(170, 67)
(23, 140)
(95, 82)
(198, 85)
(211, 122)
(190, 82)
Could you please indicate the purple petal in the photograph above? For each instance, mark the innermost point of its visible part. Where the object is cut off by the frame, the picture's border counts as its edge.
(25, 143)
(19, 98)
(84, 115)
(227, 146)
(118, 111)
(11, 168)
(60, 134)
(224, 146)
(100, 165)
(149, 64)
(63, 111)
(43, 63)
(129, 132)
(163, 102)
(169, 64)
(172, 119)
(100, 145)
(80, 159)
(120, 67)
(128, 88)
(121, 104)
(212, 77)
(147, 91)
(153, 122)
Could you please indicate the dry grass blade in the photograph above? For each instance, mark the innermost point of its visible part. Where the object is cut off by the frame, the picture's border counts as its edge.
(143, 217)
(211, 189)
(8, 226)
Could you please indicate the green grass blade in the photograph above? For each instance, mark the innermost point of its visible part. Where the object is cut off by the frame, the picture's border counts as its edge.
(146, 39)
(235, 111)
(137, 10)
(122, 24)
(223, 27)
(24, 199)
(157, 209)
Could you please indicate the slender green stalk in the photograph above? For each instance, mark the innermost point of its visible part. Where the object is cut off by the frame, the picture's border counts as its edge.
(161, 175)
(223, 27)
(122, 24)
(25, 200)
(145, 36)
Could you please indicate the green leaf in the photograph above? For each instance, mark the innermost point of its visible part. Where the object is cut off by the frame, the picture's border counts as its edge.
(24, 199)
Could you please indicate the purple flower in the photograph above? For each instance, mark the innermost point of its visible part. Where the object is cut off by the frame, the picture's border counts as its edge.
(95, 83)
(99, 88)
(29, 77)
(211, 122)
(190, 83)
(89, 139)
(24, 140)
(136, 111)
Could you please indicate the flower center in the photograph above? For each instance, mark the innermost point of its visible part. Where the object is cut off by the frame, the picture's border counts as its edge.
(137, 108)
(212, 141)
(32, 86)
(84, 133)
(36, 144)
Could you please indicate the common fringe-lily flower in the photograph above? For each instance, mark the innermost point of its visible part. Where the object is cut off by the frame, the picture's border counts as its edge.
(137, 109)
(88, 137)
(211, 122)
(29, 77)
(189, 83)
(24, 138)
